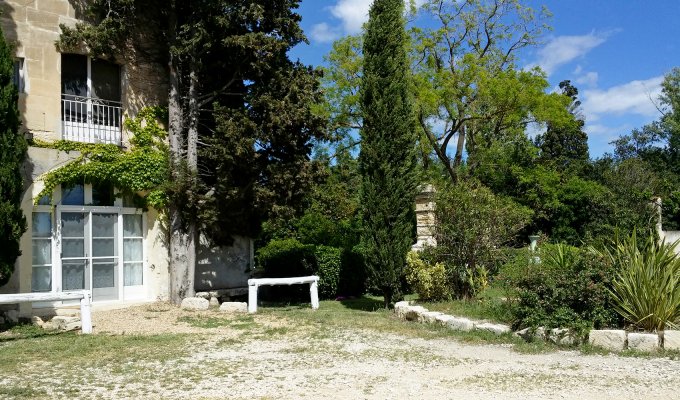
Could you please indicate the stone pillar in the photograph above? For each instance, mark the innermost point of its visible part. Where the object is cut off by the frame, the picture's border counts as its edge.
(425, 218)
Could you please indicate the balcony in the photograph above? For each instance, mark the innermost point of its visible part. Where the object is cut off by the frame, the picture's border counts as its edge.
(90, 120)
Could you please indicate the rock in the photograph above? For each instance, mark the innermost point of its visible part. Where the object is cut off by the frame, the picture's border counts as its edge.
(400, 308)
(498, 329)
(643, 341)
(429, 316)
(562, 336)
(66, 323)
(195, 303)
(49, 326)
(67, 312)
(539, 333)
(214, 302)
(37, 321)
(12, 316)
(610, 339)
(460, 324)
(671, 340)
(234, 307)
(203, 295)
(443, 319)
(525, 333)
(413, 313)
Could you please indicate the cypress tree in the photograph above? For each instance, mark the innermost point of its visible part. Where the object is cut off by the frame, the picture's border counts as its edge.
(12, 153)
(387, 160)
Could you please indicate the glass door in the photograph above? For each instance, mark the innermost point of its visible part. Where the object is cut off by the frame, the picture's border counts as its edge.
(104, 245)
(74, 251)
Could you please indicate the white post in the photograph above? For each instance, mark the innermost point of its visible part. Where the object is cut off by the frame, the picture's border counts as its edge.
(314, 294)
(252, 298)
(86, 313)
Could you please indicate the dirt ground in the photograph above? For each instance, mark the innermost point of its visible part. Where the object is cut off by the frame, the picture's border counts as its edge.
(281, 361)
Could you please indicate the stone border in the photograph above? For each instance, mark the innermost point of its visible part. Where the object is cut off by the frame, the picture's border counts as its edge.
(615, 340)
(408, 312)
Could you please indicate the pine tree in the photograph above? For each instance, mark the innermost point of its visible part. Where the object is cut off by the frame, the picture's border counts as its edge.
(13, 149)
(387, 160)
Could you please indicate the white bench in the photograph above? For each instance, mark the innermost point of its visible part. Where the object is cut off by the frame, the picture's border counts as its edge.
(254, 284)
(84, 296)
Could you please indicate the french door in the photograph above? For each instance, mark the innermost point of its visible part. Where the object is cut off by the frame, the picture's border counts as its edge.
(100, 249)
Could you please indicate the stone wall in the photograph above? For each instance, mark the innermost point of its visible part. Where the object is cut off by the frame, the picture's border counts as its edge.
(425, 218)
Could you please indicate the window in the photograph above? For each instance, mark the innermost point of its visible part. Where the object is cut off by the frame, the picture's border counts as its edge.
(91, 100)
(19, 78)
(42, 252)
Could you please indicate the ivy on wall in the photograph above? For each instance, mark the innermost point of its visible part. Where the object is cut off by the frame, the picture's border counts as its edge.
(142, 170)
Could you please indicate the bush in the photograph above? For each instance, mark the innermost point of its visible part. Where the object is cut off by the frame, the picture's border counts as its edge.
(329, 265)
(473, 224)
(566, 288)
(646, 289)
(428, 280)
(340, 271)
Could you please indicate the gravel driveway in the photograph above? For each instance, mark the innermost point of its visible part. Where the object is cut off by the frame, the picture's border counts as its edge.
(294, 362)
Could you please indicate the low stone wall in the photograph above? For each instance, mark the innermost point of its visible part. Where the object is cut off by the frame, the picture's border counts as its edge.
(617, 340)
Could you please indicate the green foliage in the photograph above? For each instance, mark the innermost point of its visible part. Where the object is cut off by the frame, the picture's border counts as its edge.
(387, 161)
(567, 288)
(13, 149)
(430, 281)
(646, 287)
(144, 168)
(473, 224)
(340, 271)
(329, 267)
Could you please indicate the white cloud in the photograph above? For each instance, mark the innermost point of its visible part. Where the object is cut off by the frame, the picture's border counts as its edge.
(635, 97)
(324, 33)
(563, 49)
(351, 13)
(588, 79)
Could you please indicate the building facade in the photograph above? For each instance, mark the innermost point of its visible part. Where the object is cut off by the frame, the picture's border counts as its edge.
(86, 237)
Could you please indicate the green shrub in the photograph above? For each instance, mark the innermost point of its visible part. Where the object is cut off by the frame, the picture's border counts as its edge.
(566, 288)
(286, 257)
(646, 288)
(428, 280)
(352, 280)
(329, 266)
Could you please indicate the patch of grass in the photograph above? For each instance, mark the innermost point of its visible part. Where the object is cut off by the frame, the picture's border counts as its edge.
(210, 322)
(21, 392)
(489, 305)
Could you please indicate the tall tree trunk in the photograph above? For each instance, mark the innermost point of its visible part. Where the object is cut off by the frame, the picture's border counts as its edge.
(181, 241)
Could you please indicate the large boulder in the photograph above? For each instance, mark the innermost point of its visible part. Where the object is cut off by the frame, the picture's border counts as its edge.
(195, 303)
(66, 323)
(460, 324)
(610, 339)
(643, 341)
(234, 307)
(671, 340)
(498, 329)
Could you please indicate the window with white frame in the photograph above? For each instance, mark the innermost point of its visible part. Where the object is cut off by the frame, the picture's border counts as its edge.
(41, 237)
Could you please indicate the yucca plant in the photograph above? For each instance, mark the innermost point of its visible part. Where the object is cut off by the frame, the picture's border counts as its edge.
(646, 288)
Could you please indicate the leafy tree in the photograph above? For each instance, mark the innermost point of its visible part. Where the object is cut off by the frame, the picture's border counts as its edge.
(12, 154)
(387, 160)
(565, 146)
(241, 114)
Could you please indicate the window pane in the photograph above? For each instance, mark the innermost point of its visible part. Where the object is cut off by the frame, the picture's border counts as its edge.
(42, 224)
(103, 274)
(132, 250)
(104, 225)
(44, 201)
(74, 75)
(73, 275)
(105, 80)
(72, 224)
(102, 195)
(133, 274)
(74, 196)
(41, 279)
(103, 248)
(132, 225)
(42, 251)
(73, 248)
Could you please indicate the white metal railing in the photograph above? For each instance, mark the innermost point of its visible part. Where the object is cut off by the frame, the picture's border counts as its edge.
(90, 120)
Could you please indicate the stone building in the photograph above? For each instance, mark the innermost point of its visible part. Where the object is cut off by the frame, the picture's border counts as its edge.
(86, 237)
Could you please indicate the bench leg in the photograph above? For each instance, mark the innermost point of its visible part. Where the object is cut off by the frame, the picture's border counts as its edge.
(252, 299)
(86, 314)
(314, 294)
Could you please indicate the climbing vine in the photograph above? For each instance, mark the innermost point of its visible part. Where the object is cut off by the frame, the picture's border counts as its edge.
(142, 170)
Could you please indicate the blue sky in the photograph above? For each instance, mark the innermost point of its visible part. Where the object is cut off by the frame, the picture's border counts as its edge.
(614, 51)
